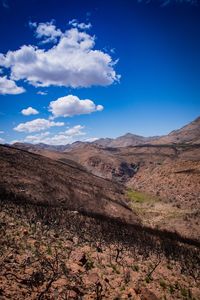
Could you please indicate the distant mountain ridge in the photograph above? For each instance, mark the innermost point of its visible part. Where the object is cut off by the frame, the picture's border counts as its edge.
(189, 134)
(126, 140)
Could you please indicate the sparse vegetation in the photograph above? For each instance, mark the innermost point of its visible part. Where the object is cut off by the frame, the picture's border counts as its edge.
(140, 197)
(61, 256)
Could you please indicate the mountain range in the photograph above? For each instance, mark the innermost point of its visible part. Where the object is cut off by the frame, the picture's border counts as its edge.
(189, 134)
(165, 167)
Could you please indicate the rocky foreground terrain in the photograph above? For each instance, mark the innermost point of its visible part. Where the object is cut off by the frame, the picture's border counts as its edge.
(52, 253)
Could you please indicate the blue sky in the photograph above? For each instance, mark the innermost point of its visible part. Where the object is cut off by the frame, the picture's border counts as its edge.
(104, 69)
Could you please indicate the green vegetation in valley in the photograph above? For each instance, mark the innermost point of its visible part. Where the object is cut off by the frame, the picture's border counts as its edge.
(140, 197)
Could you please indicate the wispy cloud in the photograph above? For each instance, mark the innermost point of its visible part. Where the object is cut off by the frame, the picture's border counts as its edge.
(47, 32)
(37, 125)
(61, 138)
(82, 26)
(42, 93)
(8, 86)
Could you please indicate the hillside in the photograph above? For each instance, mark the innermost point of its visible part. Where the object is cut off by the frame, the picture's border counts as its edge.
(190, 133)
(30, 178)
(168, 175)
(50, 253)
(167, 170)
(93, 222)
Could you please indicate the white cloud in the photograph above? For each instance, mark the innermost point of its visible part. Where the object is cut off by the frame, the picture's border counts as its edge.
(71, 105)
(37, 138)
(29, 111)
(61, 138)
(46, 31)
(37, 125)
(2, 140)
(14, 141)
(1, 131)
(8, 86)
(90, 140)
(41, 93)
(82, 26)
(75, 131)
(72, 62)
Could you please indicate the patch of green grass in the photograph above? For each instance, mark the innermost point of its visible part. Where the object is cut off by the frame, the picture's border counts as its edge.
(140, 197)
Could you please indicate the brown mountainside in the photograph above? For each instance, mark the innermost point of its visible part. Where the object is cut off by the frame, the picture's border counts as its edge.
(36, 179)
(168, 171)
(190, 133)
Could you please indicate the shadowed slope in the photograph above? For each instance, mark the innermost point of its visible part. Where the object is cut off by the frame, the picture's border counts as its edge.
(36, 179)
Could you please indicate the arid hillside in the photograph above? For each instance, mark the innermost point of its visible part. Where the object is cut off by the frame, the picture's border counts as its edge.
(190, 134)
(93, 222)
(31, 178)
(166, 176)
(165, 170)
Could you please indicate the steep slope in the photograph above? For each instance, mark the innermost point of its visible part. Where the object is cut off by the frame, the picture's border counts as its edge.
(167, 169)
(168, 173)
(31, 178)
(190, 133)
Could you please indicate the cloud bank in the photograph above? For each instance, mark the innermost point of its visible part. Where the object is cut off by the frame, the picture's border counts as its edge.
(62, 138)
